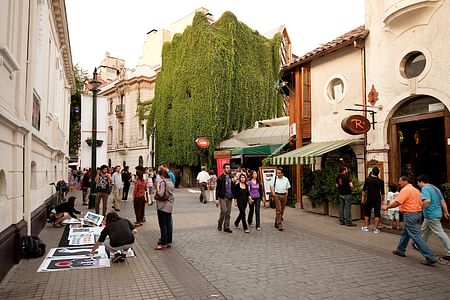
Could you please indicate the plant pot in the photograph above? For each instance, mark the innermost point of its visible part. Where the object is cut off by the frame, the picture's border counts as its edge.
(321, 208)
(333, 210)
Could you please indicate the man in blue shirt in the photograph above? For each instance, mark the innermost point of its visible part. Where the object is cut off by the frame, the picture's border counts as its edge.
(433, 204)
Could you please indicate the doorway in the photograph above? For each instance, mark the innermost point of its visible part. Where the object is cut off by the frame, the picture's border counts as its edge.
(418, 135)
(422, 149)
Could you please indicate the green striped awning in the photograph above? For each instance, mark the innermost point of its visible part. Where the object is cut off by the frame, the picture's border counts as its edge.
(306, 154)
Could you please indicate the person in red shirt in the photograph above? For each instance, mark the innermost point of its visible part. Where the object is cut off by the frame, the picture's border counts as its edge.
(140, 188)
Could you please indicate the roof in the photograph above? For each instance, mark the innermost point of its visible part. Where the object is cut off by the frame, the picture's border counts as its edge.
(324, 49)
(274, 135)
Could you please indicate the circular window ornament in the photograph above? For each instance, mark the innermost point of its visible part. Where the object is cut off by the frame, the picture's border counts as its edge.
(335, 89)
(413, 64)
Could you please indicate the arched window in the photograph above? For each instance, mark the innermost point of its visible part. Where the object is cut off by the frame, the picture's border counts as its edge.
(33, 176)
(141, 161)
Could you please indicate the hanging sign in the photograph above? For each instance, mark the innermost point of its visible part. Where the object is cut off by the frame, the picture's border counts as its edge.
(355, 124)
(202, 142)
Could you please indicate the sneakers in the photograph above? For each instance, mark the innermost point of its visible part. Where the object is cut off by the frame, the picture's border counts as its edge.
(365, 229)
(247, 231)
(228, 230)
(117, 257)
(259, 229)
(376, 230)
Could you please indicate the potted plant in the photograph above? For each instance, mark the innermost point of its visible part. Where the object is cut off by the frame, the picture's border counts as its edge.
(320, 189)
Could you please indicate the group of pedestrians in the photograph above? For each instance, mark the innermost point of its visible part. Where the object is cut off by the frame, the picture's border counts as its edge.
(248, 190)
(412, 203)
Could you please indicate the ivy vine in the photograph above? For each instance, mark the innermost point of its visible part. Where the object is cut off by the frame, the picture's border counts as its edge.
(215, 78)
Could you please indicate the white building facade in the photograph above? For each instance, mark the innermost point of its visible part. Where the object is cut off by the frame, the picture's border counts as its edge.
(408, 64)
(36, 82)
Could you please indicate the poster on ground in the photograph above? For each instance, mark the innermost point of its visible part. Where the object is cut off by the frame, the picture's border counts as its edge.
(82, 239)
(76, 252)
(71, 263)
(93, 218)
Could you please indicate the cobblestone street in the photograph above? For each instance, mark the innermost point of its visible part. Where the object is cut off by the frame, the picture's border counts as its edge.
(313, 258)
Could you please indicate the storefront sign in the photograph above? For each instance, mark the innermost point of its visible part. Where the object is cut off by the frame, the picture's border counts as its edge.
(202, 142)
(355, 124)
(222, 154)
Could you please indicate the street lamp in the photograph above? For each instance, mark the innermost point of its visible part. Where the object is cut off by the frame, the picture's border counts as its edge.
(94, 89)
(152, 143)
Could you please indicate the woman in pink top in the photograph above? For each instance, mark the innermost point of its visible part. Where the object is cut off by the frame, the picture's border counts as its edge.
(255, 189)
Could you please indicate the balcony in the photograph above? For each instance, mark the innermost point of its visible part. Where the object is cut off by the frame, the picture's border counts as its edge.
(399, 15)
(120, 111)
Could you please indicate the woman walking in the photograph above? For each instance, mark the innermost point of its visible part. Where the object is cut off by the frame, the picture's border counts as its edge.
(255, 189)
(126, 178)
(140, 188)
(212, 185)
(242, 196)
(164, 205)
(86, 186)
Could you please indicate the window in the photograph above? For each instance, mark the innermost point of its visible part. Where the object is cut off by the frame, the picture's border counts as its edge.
(36, 117)
(111, 105)
(110, 135)
(413, 64)
(335, 89)
(142, 131)
(306, 95)
(33, 176)
(121, 129)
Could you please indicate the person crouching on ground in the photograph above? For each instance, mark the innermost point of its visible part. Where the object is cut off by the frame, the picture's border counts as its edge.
(117, 236)
(65, 210)
(164, 208)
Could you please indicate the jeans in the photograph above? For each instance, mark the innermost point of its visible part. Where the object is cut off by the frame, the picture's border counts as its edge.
(254, 207)
(225, 212)
(411, 230)
(242, 205)
(103, 197)
(165, 226)
(435, 226)
(126, 188)
(345, 209)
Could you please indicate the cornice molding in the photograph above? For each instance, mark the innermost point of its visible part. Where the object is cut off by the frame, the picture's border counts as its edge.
(60, 17)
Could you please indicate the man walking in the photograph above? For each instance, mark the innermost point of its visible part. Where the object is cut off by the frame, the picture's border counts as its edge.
(433, 204)
(344, 186)
(372, 195)
(224, 194)
(117, 188)
(103, 181)
(410, 203)
(279, 191)
(202, 182)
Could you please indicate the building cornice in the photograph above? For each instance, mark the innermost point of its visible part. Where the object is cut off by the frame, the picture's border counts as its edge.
(60, 17)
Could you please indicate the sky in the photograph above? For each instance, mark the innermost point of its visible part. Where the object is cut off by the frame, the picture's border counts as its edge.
(119, 27)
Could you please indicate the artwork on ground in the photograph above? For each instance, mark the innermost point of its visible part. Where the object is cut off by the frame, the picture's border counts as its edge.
(94, 218)
(82, 239)
(76, 251)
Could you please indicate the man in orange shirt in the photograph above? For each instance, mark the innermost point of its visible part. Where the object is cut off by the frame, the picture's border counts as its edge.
(410, 202)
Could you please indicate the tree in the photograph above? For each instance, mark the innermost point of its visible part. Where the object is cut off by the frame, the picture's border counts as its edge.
(215, 78)
(81, 77)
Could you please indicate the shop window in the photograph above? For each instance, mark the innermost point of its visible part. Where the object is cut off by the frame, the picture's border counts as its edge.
(335, 89)
(419, 105)
(413, 64)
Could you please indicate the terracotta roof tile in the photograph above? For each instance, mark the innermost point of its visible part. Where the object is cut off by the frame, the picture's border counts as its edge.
(324, 49)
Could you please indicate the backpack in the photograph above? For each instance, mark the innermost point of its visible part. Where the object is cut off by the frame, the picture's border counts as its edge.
(32, 247)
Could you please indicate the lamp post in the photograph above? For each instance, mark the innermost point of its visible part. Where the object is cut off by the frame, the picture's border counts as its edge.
(152, 143)
(94, 89)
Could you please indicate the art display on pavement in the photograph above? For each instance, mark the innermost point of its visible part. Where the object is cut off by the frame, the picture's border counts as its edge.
(59, 259)
(82, 239)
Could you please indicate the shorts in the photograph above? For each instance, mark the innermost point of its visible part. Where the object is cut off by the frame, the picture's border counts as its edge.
(375, 205)
(393, 214)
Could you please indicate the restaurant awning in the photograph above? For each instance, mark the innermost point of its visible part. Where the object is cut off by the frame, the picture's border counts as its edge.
(258, 150)
(306, 154)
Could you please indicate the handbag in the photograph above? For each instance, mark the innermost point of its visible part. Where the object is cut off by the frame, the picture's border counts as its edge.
(271, 201)
(165, 195)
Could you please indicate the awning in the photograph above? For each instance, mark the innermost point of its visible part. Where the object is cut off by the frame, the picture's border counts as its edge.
(258, 150)
(306, 154)
(278, 150)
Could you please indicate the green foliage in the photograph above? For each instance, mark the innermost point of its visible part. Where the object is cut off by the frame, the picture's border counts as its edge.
(215, 78)
(81, 77)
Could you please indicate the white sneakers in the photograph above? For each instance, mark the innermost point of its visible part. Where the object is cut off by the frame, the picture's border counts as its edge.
(366, 229)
